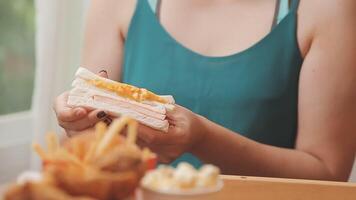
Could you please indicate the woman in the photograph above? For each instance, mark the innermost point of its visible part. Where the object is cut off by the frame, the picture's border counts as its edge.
(265, 88)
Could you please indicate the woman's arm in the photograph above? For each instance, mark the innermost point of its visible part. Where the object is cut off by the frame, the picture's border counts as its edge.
(326, 137)
(105, 33)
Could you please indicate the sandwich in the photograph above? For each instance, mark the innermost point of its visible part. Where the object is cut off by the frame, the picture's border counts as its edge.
(120, 99)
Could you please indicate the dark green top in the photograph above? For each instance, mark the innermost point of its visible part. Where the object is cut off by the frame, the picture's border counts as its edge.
(253, 92)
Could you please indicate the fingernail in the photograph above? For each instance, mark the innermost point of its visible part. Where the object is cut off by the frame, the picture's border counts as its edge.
(108, 121)
(103, 71)
(101, 115)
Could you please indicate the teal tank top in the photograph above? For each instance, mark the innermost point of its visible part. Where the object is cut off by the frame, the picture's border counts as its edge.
(253, 92)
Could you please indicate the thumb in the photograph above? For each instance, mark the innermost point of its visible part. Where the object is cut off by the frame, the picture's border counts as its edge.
(103, 73)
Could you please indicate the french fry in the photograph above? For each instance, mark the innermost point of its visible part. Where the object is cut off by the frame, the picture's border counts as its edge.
(100, 129)
(146, 153)
(63, 154)
(76, 148)
(110, 158)
(40, 151)
(91, 153)
(52, 142)
(114, 129)
(89, 156)
(132, 132)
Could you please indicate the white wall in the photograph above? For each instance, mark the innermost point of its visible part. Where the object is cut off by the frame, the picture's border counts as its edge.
(16, 134)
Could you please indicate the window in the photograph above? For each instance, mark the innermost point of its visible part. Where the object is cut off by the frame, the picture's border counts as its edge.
(17, 64)
(17, 55)
(58, 34)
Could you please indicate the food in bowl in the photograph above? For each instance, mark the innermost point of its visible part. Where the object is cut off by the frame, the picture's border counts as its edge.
(183, 179)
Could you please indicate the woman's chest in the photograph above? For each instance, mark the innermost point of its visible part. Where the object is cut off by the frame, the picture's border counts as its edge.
(248, 82)
(217, 28)
(263, 74)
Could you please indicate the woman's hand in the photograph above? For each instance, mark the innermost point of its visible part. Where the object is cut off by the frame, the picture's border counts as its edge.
(186, 129)
(77, 119)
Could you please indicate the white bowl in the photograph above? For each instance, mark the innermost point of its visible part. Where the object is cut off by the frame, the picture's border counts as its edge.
(189, 194)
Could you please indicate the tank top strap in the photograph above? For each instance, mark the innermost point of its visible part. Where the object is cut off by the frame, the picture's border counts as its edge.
(294, 6)
(282, 10)
(155, 5)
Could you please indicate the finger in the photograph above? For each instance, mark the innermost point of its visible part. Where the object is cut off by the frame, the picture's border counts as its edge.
(88, 121)
(103, 73)
(66, 113)
(71, 114)
(170, 113)
(107, 120)
(175, 113)
(152, 136)
(71, 133)
(159, 149)
(148, 135)
(156, 148)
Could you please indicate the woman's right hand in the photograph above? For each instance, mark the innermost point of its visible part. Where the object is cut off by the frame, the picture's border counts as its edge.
(77, 119)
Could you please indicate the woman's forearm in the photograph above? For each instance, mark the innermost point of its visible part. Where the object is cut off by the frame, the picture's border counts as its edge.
(236, 154)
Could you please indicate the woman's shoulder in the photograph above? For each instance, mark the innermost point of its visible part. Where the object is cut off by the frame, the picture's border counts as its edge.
(324, 17)
(328, 13)
(115, 12)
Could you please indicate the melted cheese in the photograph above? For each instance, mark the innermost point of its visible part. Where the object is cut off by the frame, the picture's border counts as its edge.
(127, 91)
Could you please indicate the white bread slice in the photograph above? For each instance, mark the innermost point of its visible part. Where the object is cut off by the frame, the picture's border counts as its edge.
(92, 103)
(119, 102)
(81, 86)
(85, 74)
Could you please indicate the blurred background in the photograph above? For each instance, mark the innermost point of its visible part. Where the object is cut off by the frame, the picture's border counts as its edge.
(17, 55)
(40, 44)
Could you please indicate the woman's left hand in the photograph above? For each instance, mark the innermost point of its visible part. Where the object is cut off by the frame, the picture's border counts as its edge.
(185, 130)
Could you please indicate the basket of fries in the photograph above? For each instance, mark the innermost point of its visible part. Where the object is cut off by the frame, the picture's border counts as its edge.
(103, 165)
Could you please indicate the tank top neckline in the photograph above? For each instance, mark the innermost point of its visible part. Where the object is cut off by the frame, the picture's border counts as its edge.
(255, 45)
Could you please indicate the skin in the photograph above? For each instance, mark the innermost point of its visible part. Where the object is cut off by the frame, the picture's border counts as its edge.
(325, 144)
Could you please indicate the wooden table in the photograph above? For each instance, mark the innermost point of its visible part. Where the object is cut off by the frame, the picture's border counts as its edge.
(259, 188)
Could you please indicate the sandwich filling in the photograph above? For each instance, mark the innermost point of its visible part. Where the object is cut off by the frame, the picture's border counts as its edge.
(123, 104)
(127, 91)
